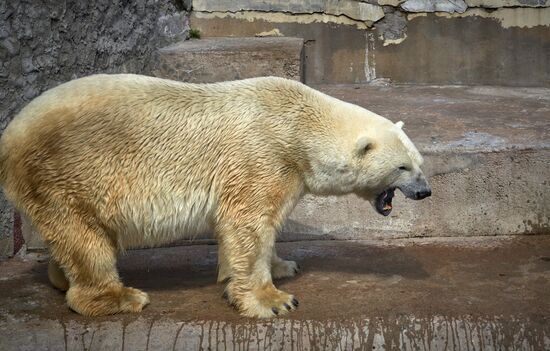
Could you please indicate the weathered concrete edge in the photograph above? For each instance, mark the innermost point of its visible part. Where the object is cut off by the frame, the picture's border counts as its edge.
(232, 43)
(198, 61)
(355, 10)
(402, 332)
(507, 16)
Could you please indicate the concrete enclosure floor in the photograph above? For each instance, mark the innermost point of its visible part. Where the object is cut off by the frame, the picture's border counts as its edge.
(432, 293)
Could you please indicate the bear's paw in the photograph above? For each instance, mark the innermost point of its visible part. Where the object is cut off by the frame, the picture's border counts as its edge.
(284, 269)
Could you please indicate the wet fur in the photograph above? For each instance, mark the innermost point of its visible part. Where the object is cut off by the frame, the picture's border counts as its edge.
(109, 162)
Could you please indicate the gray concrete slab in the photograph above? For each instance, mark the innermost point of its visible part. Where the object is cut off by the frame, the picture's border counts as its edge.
(456, 294)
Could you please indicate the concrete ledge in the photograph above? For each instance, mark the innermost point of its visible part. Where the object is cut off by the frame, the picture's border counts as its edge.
(427, 294)
(221, 59)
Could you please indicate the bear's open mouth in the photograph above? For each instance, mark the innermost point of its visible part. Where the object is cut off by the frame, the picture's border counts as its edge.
(383, 201)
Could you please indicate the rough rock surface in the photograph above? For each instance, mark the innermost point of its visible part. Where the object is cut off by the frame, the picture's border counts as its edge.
(45, 43)
(392, 27)
(434, 5)
(361, 11)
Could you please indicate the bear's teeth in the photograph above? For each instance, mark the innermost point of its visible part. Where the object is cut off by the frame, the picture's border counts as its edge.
(387, 207)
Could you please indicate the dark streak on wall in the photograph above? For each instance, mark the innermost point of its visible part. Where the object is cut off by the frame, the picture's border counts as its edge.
(468, 51)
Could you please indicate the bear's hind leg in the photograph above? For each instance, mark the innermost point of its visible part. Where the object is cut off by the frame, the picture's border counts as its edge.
(57, 276)
(281, 268)
(87, 256)
(223, 266)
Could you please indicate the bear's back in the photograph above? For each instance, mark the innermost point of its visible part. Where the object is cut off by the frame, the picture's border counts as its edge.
(102, 129)
(145, 155)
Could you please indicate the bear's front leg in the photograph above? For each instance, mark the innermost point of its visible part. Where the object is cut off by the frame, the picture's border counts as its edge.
(247, 263)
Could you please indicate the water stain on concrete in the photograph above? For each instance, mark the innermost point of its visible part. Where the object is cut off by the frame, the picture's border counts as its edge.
(401, 332)
(445, 293)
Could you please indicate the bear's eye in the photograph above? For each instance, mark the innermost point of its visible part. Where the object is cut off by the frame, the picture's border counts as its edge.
(403, 168)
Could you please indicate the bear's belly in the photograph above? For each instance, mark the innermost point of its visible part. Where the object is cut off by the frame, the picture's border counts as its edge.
(164, 219)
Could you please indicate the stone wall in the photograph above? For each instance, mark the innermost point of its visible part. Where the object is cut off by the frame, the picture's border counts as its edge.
(46, 42)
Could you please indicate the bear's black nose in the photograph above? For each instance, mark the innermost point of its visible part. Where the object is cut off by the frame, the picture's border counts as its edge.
(423, 194)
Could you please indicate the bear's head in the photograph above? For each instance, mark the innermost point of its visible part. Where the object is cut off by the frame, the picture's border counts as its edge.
(371, 157)
(387, 161)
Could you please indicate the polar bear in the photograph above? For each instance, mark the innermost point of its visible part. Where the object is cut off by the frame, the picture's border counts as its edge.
(109, 162)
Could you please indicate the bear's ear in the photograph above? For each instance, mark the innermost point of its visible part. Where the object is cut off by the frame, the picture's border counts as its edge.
(400, 124)
(363, 145)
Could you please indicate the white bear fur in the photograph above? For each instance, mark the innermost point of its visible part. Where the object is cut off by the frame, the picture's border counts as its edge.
(109, 162)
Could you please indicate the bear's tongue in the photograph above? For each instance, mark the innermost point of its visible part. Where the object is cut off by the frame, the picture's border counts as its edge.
(387, 205)
(383, 202)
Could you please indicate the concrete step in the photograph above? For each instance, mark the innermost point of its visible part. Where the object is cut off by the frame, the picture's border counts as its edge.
(221, 59)
(456, 294)
(487, 154)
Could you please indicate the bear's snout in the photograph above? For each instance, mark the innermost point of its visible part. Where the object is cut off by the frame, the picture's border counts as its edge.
(416, 189)
(422, 194)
